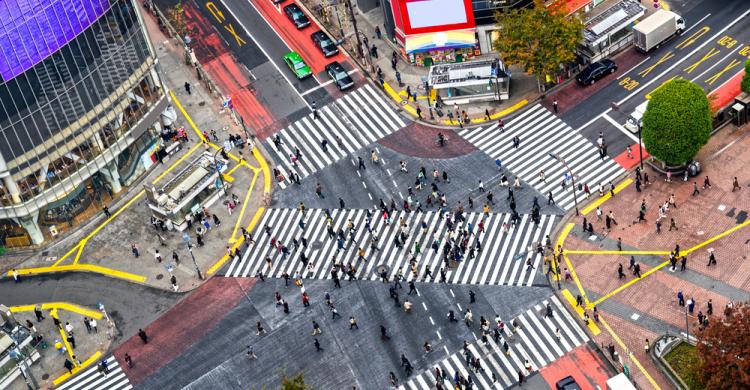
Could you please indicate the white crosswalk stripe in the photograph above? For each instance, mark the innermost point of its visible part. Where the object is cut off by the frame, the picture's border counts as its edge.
(534, 340)
(359, 118)
(92, 379)
(502, 260)
(541, 133)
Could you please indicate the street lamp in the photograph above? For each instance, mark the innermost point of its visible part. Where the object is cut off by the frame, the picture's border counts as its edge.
(572, 177)
(186, 238)
(640, 145)
(216, 166)
(335, 4)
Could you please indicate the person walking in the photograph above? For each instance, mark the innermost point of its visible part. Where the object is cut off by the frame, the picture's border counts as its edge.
(316, 328)
(128, 360)
(554, 106)
(695, 188)
(134, 249)
(187, 88)
(735, 185)
(353, 323)
(711, 259)
(142, 334)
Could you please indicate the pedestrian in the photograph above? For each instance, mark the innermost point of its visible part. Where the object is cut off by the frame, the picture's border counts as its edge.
(472, 297)
(680, 298)
(683, 263)
(711, 259)
(695, 188)
(142, 334)
(706, 183)
(554, 105)
(87, 324)
(128, 360)
(353, 323)
(521, 376)
(157, 255)
(251, 353)
(672, 224)
(619, 244)
(317, 343)
(187, 88)
(173, 280)
(68, 366)
(735, 185)
(260, 329)
(691, 305)
(38, 313)
(637, 270)
(106, 212)
(71, 340)
(710, 307)
(134, 249)
(92, 322)
(620, 273)
(68, 327)
(486, 114)
(658, 226)
(316, 328)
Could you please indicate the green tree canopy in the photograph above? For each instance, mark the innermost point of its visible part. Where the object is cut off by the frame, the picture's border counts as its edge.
(677, 122)
(746, 79)
(538, 39)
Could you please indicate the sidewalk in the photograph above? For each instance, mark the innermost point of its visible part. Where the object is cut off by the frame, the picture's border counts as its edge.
(713, 221)
(105, 244)
(523, 88)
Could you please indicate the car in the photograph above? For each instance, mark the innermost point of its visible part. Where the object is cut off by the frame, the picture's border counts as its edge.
(596, 71)
(324, 43)
(567, 383)
(296, 15)
(338, 74)
(297, 65)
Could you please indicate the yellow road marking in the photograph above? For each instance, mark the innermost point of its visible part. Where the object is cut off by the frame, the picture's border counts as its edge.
(234, 168)
(572, 301)
(395, 96)
(65, 256)
(711, 52)
(64, 337)
(266, 171)
(82, 268)
(494, 116)
(606, 197)
(575, 278)
(691, 39)
(60, 306)
(592, 252)
(731, 65)
(95, 357)
(232, 239)
(252, 167)
(81, 244)
(632, 357)
(627, 284)
(718, 236)
(560, 241)
(239, 242)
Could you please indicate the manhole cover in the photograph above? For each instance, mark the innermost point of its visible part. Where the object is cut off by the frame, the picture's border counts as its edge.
(45, 377)
(382, 268)
(316, 245)
(159, 277)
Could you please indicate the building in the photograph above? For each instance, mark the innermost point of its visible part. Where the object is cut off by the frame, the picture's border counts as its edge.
(80, 105)
(609, 31)
(17, 348)
(470, 82)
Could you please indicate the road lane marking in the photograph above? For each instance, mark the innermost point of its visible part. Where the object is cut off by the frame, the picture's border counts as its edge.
(715, 64)
(680, 61)
(283, 74)
(696, 24)
(632, 357)
(620, 127)
(633, 68)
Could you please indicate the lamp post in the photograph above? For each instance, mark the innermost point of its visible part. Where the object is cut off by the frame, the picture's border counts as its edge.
(687, 324)
(572, 177)
(334, 4)
(640, 146)
(216, 166)
(186, 238)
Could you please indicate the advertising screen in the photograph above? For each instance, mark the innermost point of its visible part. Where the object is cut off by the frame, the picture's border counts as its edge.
(430, 16)
(31, 30)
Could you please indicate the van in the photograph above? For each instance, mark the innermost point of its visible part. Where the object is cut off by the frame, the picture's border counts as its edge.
(635, 120)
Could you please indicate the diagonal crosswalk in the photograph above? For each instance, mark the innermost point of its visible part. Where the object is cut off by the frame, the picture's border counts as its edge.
(92, 379)
(534, 340)
(358, 119)
(541, 133)
(502, 260)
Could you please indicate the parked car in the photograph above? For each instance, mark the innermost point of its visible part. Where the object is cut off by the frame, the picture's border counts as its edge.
(595, 71)
(297, 65)
(296, 15)
(567, 383)
(338, 74)
(324, 43)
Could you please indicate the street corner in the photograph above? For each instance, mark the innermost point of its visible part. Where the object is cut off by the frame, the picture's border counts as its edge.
(585, 364)
(422, 141)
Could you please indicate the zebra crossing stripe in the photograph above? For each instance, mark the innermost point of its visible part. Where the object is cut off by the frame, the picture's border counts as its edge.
(501, 261)
(359, 118)
(91, 379)
(542, 133)
(534, 341)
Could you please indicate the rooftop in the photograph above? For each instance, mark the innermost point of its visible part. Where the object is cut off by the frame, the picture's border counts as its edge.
(612, 20)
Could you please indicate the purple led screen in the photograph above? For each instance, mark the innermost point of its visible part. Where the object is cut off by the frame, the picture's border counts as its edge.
(31, 30)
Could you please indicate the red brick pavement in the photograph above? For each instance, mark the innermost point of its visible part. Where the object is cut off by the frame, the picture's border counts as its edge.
(182, 326)
(418, 140)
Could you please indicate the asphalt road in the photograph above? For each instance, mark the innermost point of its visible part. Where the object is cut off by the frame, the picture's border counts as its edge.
(132, 306)
(709, 52)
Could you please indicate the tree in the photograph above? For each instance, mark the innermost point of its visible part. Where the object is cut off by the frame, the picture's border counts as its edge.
(724, 350)
(538, 39)
(296, 382)
(677, 122)
(745, 86)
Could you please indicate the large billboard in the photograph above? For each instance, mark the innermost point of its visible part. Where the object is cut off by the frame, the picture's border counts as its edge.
(31, 30)
(435, 24)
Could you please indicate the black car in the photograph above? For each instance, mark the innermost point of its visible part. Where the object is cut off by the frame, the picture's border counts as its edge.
(567, 383)
(595, 71)
(296, 15)
(324, 43)
(338, 74)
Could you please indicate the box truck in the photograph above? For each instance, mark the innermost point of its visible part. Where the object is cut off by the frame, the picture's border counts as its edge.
(651, 32)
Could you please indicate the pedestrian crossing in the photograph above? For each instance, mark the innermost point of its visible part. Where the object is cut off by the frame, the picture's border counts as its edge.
(534, 340)
(541, 133)
(502, 260)
(92, 379)
(358, 119)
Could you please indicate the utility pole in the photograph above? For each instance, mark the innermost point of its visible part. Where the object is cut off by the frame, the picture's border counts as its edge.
(356, 33)
(572, 177)
(186, 238)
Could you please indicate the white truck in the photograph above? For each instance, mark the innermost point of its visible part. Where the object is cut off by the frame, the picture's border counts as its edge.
(651, 32)
(635, 120)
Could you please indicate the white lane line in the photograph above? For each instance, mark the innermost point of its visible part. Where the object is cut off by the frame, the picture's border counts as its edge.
(326, 83)
(432, 321)
(425, 306)
(633, 68)
(283, 74)
(596, 118)
(439, 335)
(696, 24)
(684, 58)
(620, 127)
(716, 63)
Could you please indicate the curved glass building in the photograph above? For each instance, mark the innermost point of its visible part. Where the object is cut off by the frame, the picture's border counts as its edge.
(80, 103)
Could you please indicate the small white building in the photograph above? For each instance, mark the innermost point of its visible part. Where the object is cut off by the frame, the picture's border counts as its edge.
(468, 82)
(610, 31)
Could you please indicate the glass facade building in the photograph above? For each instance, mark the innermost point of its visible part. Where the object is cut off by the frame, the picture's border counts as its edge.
(80, 104)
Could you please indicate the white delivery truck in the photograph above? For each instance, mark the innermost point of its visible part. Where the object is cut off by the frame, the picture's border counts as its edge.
(657, 28)
(619, 382)
(635, 120)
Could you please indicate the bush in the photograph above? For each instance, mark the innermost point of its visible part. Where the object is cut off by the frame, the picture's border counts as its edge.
(677, 122)
(684, 359)
(746, 79)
